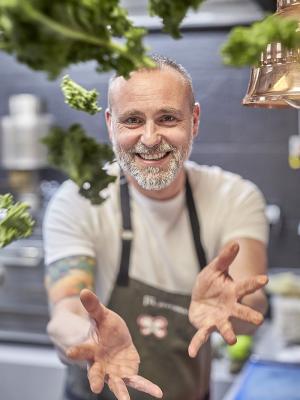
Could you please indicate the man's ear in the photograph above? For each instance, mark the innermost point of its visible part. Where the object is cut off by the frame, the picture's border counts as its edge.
(196, 119)
(108, 120)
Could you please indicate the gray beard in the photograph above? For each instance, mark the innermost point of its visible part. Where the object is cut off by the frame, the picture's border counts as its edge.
(153, 178)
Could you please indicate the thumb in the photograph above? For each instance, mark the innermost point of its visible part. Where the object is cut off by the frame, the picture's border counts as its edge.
(95, 309)
(226, 257)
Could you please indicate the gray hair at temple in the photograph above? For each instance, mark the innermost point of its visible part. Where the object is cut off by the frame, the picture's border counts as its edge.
(162, 62)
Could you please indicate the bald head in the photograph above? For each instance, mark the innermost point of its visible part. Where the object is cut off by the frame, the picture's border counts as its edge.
(162, 63)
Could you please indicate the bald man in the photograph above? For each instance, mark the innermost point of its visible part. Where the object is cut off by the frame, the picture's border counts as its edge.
(177, 251)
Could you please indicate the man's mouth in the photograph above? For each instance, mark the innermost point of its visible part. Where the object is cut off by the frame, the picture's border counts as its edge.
(154, 156)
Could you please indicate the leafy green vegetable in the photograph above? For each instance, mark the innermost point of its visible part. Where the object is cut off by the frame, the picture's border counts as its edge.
(50, 35)
(172, 13)
(78, 97)
(245, 45)
(15, 220)
(81, 158)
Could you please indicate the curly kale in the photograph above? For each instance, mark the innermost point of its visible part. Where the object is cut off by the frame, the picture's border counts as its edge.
(172, 13)
(78, 97)
(50, 35)
(15, 220)
(81, 158)
(245, 45)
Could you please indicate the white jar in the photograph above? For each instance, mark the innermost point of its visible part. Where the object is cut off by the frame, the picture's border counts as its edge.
(21, 134)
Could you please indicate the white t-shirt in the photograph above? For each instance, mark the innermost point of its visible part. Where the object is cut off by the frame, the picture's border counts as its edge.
(162, 253)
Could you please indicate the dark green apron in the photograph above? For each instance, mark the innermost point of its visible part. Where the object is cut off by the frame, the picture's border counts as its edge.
(159, 326)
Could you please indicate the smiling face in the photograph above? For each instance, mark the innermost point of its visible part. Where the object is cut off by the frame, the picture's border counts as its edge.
(152, 124)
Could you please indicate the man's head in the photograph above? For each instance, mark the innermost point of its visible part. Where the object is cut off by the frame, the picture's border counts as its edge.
(152, 119)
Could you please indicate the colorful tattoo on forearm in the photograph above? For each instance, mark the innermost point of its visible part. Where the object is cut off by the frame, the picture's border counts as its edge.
(67, 277)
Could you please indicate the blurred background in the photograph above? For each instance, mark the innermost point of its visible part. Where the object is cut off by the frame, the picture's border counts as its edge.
(250, 142)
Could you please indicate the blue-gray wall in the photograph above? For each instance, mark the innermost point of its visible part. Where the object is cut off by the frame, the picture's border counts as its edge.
(250, 142)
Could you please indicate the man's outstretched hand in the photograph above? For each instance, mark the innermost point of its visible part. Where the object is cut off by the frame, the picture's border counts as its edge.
(111, 355)
(215, 299)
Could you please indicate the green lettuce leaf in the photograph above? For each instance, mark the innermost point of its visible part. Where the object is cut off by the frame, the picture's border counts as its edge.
(15, 220)
(244, 45)
(82, 159)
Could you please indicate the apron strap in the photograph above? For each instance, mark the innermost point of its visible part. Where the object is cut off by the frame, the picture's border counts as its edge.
(195, 225)
(127, 234)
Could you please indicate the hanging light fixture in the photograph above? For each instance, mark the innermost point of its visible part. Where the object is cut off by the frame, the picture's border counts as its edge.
(275, 83)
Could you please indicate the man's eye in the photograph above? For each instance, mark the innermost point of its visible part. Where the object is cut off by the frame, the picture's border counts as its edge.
(167, 118)
(133, 121)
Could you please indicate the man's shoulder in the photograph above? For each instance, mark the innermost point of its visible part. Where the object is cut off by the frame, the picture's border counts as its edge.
(211, 174)
(214, 182)
(69, 192)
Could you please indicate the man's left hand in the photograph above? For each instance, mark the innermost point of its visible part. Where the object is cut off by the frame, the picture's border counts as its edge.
(216, 298)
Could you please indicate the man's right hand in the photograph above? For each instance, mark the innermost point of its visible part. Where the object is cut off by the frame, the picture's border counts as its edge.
(110, 352)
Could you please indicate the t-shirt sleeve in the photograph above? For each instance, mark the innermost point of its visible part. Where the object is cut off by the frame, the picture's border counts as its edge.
(245, 216)
(68, 225)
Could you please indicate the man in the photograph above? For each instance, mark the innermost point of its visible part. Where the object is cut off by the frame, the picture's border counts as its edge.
(157, 273)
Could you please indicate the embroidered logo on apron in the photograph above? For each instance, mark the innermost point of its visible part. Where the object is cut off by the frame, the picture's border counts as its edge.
(157, 326)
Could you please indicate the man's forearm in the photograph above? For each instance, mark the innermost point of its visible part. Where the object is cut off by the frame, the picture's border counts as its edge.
(65, 279)
(69, 323)
(71, 304)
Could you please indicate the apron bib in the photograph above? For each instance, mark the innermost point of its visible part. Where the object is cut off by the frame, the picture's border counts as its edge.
(159, 326)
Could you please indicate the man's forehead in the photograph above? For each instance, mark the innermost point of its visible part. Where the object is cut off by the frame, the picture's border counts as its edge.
(147, 76)
(144, 83)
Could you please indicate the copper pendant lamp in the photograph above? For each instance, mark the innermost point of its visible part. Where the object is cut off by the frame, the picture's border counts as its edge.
(275, 83)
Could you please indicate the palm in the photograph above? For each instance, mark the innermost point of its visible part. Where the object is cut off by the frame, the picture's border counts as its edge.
(110, 352)
(215, 299)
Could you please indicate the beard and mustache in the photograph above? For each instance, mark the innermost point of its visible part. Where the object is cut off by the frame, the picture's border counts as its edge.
(148, 177)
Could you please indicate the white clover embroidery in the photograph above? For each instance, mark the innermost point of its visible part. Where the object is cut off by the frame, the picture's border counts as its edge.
(157, 326)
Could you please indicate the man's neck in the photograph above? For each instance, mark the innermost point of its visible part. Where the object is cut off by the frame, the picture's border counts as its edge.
(164, 194)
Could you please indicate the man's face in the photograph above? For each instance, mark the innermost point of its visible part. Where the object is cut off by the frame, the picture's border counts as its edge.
(152, 125)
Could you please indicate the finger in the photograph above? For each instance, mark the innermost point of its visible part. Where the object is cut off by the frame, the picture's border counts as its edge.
(226, 331)
(118, 387)
(247, 314)
(226, 257)
(198, 340)
(92, 305)
(144, 385)
(81, 352)
(250, 285)
(96, 375)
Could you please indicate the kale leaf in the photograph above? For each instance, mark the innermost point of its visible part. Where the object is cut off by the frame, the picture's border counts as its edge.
(50, 35)
(81, 158)
(245, 45)
(15, 220)
(172, 13)
(78, 97)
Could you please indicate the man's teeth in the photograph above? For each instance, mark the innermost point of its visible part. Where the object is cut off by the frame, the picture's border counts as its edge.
(156, 156)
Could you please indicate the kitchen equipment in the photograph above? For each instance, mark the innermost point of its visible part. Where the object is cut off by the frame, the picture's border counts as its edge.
(286, 318)
(22, 152)
(22, 130)
(275, 83)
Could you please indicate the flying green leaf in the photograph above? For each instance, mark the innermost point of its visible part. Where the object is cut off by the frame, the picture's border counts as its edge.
(81, 158)
(50, 35)
(15, 220)
(245, 45)
(172, 13)
(78, 97)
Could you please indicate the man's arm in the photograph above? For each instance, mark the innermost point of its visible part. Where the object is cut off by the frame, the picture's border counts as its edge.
(250, 261)
(65, 278)
(78, 319)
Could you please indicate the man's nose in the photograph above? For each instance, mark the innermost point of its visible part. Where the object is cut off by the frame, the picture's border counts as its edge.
(150, 136)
